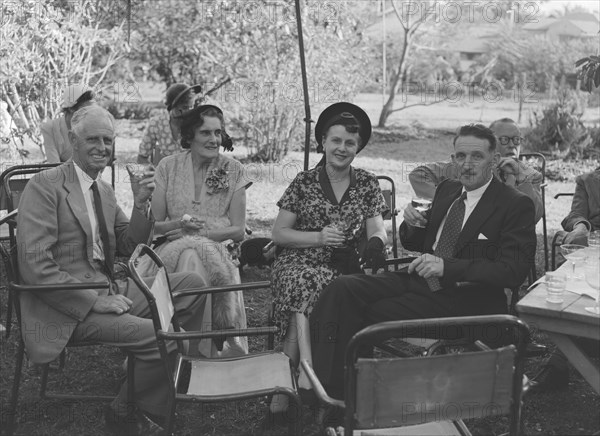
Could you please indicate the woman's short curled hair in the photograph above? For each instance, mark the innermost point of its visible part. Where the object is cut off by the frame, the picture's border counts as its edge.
(190, 124)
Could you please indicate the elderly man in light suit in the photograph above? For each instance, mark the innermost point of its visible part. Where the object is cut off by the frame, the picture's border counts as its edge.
(69, 228)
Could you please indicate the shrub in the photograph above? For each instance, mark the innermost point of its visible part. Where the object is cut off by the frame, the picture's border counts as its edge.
(559, 132)
(129, 111)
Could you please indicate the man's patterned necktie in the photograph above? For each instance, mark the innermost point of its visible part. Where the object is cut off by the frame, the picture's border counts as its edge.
(449, 236)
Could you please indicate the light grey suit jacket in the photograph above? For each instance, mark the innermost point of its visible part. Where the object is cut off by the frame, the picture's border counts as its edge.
(55, 245)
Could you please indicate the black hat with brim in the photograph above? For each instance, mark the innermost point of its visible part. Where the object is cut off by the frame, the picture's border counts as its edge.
(178, 90)
(343, 113)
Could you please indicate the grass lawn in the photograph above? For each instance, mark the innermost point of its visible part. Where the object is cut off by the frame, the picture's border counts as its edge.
(574, 411)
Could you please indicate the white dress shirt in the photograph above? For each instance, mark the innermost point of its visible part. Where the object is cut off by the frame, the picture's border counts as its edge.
(85, 181)
(471, 201)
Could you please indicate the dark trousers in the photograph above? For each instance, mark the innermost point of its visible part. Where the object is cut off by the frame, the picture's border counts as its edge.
(353, 302)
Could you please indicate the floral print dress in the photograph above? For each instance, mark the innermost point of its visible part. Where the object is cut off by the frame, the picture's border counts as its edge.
(300, 274)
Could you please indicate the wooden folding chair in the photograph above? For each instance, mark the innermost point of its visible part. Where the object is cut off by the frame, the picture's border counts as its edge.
(431, 395)
(12, 184)
(389, 194)
(212, 380)
(16, 286)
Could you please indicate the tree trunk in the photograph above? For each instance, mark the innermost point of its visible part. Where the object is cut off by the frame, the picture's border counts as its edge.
(396, 79)
(389, 104)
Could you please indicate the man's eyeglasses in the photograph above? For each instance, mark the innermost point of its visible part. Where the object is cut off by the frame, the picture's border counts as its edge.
(504, 140)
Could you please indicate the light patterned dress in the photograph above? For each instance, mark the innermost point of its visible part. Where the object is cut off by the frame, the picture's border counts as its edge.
(300, 274)
(158, 140)
(174, 180)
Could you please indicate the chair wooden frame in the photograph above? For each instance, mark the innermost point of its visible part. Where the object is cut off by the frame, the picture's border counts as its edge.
(16, 287)
(12, 184)
(504, 381)
(390, 199)
(176, 373)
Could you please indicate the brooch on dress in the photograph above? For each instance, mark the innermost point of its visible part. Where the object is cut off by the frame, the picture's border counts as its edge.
(217, 181)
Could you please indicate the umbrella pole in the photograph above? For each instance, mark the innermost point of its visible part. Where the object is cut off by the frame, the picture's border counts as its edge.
(307, 119)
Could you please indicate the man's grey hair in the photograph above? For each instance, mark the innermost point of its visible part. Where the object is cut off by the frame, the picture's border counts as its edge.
(93, 111)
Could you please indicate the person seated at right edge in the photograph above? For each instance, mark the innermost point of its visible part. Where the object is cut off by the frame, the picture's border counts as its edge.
(585, 209)
(510, 170)
(583, 219)
(477, 239)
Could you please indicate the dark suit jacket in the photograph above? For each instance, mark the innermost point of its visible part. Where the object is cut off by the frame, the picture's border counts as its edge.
(586, 202)
(55, 245)
(496, 247)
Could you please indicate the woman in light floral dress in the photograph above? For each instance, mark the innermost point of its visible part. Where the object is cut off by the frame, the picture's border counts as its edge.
(199, 203)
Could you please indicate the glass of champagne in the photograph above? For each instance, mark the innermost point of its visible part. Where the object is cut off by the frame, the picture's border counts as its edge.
(136, 171)
(340, 224)
(421, 205)
(592, 277)
(575, 254)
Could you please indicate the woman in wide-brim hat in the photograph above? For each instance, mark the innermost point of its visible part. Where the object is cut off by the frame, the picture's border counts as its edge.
(322, 216)
(162, 134)
(199, 203)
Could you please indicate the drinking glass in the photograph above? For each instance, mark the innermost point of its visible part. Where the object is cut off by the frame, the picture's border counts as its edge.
(592, 277)
(575, 254)
(594, 240)
(421, 205)
(136, 171)
(556, 283)
(341, 224)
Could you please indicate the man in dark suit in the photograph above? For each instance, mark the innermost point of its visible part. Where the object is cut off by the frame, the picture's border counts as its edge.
(69, 228)
(477, 239)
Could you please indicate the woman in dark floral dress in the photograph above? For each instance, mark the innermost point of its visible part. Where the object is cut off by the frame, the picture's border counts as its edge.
(323, 215)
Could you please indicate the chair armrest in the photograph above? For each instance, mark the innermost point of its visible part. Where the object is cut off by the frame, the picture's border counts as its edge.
(252, 331)
(10, 218)
(481, 346)
(58, 286)
(563, 194)
(218, 289)
(318, 387)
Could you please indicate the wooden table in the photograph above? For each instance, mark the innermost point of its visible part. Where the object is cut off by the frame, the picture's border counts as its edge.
(561, 322)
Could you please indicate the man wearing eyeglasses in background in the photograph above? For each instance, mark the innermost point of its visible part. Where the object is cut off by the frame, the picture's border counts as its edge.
(425, 178)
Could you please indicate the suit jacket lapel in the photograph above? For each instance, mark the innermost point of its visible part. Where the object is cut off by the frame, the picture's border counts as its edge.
(486, 206)
(77, 203)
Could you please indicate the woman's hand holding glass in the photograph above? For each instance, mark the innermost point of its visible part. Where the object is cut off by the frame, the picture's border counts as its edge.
(331, 236)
